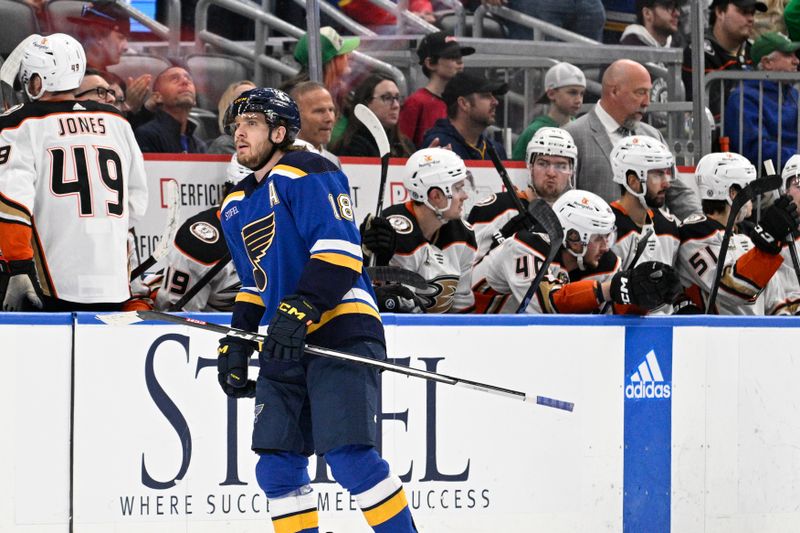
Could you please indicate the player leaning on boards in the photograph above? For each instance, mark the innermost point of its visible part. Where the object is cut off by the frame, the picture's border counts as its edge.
(427, 234)
(643, 167)
(551, 156)
(750, 262)
(289, 226)
(71, 179)
(585, 275)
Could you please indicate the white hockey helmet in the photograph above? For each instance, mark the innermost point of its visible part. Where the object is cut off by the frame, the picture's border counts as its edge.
(586, 214)
(433, 167)
(551, 141)
(717, 172)
(234, 172)
(58, 59)
(790, 170)
(639, 154)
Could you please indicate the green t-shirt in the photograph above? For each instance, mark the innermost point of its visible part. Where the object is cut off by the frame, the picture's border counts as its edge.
(518, 154)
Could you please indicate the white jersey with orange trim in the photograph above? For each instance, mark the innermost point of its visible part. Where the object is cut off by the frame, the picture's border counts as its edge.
(662, 246)
(785, 300)
(445, 262)
(746, 274)
(199, 245)
(504, 276)
(71, 181)
(488, 216)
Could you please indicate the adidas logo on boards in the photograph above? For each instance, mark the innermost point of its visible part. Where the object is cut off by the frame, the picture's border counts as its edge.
(647, 381)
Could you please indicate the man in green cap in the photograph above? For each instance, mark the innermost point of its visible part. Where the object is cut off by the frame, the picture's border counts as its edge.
(773, 52)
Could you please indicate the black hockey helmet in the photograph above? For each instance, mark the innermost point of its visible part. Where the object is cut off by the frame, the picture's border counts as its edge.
(278, 108)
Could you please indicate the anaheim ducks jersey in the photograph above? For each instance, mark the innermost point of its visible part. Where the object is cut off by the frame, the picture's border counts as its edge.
(198, 246)
(504, 276)
(745, 275)
(488, 217)
(445, 262)
(785, 298)
(662, 246)
(71, 179)
(293, 233)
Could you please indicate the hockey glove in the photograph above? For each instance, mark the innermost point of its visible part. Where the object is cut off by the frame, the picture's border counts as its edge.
(647, 285)
(685, 306)
(286, 333)
(396, 298)
(233, 356)
(20, 293)
(378, 237)
(519, 222)
(777, 221)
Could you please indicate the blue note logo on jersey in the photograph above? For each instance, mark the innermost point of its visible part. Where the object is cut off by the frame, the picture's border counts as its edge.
(257, 237)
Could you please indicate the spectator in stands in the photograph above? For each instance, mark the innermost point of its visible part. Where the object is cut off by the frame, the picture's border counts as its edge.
(564, 86)
(584, 17)
(440, 56)
(171, 131)
(471, 105)
(656, 22)
(624, 99)
(224, 143)
(117, 84)
(378, 19)
(379, 92)
(791, 17)
(772, 19)
(725, 45)
(317, 116)
(103, 30)
(772, 52)
(94, 87)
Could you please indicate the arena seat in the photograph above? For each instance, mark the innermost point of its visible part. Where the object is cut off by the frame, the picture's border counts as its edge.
(134, 65)
(59, 10)
(20, 22)
(212, 74)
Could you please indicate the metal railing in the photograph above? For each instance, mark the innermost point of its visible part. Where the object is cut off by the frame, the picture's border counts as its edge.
(770, 136)
(540, 28)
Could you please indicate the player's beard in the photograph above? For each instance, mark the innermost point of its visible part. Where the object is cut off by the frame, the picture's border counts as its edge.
(656, 202)
(254, 157)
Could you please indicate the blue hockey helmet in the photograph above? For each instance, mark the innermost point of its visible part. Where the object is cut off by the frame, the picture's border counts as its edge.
(278, 108)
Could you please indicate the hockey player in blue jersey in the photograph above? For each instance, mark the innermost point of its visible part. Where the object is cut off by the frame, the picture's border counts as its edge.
(290, 229)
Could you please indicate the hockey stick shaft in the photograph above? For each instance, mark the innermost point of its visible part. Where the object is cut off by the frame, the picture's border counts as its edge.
(202, 282)
(118, 318)
(752, 189)
(641, 246)
(170, 229)
(506, 179)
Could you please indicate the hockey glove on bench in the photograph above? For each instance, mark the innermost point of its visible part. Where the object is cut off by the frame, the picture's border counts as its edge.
(379, 238)
(648, 285)
(286, 334)
(233, 356)
(777, 221)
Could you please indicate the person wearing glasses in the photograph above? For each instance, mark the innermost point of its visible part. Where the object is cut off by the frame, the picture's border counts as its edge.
(379, 92)
(95, 88)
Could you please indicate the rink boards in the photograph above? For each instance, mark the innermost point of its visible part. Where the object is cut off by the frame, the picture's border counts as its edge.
(680, 424)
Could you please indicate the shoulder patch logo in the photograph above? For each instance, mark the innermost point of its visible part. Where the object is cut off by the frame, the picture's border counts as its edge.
(489, 200)
(692, 219)
(11, 110)
(401, 224)
(205, 232)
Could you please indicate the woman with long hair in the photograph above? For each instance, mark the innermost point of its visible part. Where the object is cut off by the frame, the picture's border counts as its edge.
(379, 92)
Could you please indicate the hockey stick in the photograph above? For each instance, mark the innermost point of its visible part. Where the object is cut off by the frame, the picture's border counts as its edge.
(641, 245)
(543, 214)
(10, 68)
(770, 168)
(374, 126)
(120, 319)
(750, 191)
(171, 228)
(397, 275)
(202, 282)
(498, 166)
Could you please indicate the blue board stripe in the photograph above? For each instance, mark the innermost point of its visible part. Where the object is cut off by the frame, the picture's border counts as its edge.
(648, 429)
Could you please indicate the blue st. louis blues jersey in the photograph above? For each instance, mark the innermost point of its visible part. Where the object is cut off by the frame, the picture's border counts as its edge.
(294, 233)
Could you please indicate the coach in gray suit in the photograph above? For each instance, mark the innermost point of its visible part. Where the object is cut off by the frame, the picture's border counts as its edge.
(624, 100)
